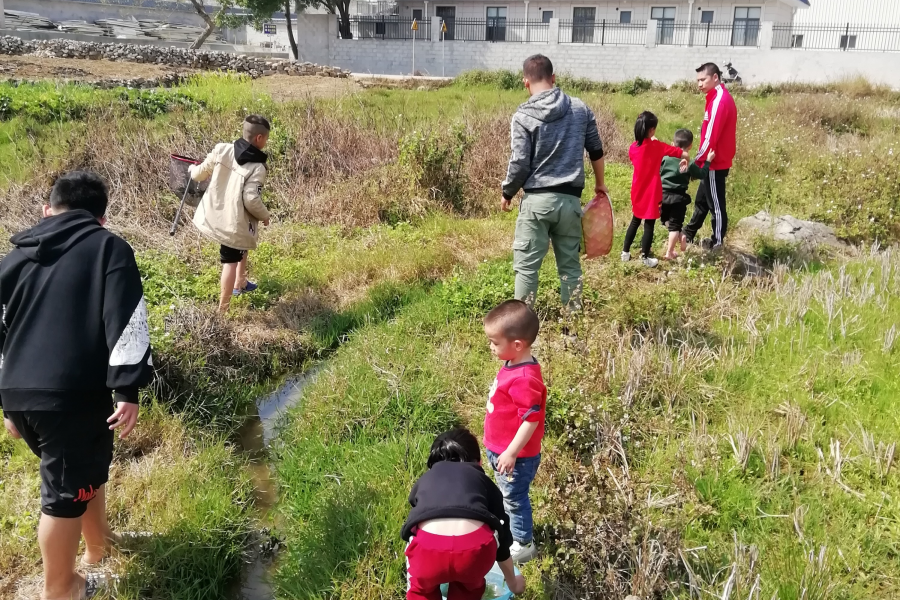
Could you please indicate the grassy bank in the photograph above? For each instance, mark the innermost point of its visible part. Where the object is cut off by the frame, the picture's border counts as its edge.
(381, 259)
(697, 426)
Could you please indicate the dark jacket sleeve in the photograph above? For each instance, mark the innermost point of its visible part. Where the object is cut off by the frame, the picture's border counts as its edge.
(592, 142)
(522, 149)
(495, 505)
(698, 172)
(125, 321)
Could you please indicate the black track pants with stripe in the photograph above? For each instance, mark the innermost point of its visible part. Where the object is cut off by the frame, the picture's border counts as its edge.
(710, 199)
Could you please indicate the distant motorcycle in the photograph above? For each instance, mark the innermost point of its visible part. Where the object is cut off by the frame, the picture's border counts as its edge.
(731, 75)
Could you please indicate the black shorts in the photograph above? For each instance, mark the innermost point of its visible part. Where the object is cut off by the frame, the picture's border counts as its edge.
(674, 209)
(229, 256)
(75, 449)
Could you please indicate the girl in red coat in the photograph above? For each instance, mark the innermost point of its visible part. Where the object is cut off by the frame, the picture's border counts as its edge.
(646, 154)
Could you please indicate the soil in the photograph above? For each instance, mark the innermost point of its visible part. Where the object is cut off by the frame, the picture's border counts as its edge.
(283, 88)
(33, 68)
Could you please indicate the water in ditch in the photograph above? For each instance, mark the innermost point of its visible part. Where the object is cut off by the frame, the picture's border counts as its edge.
(255, 437)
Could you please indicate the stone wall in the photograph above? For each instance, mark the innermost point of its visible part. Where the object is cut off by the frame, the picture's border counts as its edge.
(171, 57)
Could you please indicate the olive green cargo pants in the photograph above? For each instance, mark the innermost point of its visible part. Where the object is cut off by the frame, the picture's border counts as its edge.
(546, 218)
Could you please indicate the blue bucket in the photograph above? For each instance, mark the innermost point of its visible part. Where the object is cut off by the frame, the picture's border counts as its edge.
(496, 585)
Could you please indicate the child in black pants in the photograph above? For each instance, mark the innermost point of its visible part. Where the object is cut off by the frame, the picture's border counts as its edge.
(675, 182)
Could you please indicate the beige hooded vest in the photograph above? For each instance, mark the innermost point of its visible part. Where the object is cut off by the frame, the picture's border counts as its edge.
(232, 206)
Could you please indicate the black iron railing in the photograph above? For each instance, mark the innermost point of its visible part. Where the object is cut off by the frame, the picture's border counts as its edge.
(844, 37)
(497, 29)
(739, 33)
(603, 32)
(389, 27)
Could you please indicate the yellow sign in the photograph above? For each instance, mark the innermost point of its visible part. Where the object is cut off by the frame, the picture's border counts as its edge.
(444, 26)
(415, 25)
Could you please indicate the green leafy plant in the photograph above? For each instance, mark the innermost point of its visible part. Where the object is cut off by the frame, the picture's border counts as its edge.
(152, 103)
(433, 162)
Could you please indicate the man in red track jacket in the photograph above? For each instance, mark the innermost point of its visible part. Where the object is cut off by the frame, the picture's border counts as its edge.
(718, 133)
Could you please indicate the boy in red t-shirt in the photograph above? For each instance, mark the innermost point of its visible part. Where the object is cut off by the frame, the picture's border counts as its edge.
(514, 422)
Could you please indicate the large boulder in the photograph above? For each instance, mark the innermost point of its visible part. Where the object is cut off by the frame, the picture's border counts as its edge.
(789, 229)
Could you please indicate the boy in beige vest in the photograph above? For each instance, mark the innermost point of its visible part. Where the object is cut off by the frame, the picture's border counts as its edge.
(232, 206)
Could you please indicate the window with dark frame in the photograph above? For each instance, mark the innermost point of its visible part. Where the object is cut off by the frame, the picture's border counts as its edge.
(625, 16)
(745, 30)
(583, 20)
(796, 41)
(707, 16)
(665, 28)
(848, 42)
(496, 24)
(448, 16)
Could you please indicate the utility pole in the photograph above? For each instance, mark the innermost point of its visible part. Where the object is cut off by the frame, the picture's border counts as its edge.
(443, 47)
(415, 30)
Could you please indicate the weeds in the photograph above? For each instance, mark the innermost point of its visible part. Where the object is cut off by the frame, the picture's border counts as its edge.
(434, 163)
(638, 492)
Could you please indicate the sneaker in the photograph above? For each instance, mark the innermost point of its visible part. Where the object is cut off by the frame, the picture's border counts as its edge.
(650, 262)
(706, 244)
(626, 256)
(522, 554)
(247, 288)
(716, 249)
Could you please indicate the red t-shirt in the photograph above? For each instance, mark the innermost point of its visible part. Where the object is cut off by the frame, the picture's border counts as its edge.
(518, 394)
(646, 185)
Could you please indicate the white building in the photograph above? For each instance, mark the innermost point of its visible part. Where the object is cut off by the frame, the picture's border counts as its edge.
(857, 12)
(621, 11)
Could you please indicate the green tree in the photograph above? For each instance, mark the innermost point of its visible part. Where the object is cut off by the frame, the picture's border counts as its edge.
(337, 7)
(255, 12)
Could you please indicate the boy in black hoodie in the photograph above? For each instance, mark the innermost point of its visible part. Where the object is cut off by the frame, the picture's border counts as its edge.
(73, 329)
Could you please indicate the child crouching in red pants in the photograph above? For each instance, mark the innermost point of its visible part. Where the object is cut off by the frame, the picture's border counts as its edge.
(457, 527)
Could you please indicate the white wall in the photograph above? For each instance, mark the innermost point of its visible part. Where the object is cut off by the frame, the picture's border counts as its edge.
(664, 64)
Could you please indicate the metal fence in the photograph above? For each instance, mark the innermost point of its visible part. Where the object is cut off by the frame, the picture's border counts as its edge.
(498, 29)
(389, 27)
(739, 33)
(605, 33)
(844, 37)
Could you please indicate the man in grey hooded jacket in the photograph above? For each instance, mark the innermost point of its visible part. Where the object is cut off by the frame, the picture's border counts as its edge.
(550, 134)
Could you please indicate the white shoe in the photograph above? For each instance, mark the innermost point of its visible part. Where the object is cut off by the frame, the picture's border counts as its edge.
(650, 262)
(522, 554)
(626, 256)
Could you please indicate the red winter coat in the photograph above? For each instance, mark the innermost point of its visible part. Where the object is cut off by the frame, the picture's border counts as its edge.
(719, 129)
(646, 185)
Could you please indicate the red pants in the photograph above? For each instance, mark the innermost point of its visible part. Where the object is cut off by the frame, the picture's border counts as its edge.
(462, 561)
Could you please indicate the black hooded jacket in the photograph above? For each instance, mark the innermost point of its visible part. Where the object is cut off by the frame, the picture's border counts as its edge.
(459, 490)
(74, 320)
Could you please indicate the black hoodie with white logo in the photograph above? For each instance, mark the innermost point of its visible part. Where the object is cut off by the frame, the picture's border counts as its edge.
(74, 320)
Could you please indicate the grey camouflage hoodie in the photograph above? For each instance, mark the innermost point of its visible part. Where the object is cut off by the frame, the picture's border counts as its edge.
(549, 135)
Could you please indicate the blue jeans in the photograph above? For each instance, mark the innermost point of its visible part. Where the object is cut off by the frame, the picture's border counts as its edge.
(514, 487)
